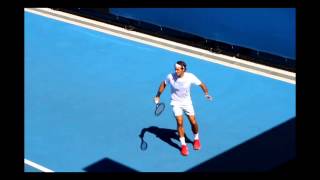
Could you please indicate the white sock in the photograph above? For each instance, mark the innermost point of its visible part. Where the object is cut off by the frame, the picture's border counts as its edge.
(196, 136)
(182, 140)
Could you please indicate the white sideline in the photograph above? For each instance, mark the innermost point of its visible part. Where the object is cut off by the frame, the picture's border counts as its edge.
(37, 166)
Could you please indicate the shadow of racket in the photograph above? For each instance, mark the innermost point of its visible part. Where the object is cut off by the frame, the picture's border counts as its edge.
(143, 145)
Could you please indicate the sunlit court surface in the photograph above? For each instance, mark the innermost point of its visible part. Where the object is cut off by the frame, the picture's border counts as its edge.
(89, 106)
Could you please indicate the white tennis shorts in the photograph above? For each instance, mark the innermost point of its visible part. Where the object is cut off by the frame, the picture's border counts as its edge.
(179, 109)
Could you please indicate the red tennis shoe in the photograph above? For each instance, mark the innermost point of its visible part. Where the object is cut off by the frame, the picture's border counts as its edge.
(196, 144)
(184, 150)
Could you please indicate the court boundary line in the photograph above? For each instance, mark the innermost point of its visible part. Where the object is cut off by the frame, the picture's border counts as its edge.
(233, 62)
(37, 166)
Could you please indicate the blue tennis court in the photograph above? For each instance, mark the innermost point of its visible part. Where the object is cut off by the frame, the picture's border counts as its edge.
(89, 95)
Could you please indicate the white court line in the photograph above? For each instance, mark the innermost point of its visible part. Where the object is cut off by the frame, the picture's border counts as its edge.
(37, 166)
(158, 42)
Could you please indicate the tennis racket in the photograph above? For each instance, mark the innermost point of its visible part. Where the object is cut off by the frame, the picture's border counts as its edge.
(159, 109)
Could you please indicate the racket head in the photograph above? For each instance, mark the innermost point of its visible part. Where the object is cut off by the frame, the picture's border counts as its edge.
(159, 109)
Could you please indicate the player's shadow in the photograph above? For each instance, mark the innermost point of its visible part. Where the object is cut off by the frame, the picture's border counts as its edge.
(166, 135)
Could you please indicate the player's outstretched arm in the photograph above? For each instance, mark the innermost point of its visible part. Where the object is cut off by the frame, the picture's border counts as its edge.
(206, 92)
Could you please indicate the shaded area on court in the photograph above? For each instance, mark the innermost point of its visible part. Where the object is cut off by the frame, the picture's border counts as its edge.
(108, 165)
(262, 153)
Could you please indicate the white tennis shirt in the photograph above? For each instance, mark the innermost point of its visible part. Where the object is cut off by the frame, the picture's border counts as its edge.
(180, 87)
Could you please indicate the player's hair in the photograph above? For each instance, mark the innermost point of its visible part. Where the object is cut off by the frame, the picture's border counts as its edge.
(183, 64)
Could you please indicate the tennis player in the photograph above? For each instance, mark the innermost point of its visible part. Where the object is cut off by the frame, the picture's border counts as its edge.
(181, 103)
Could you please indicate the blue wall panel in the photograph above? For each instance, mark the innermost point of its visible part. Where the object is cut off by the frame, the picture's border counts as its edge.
(271, 30)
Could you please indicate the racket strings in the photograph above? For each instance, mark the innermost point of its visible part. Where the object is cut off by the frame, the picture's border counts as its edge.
(159, 109)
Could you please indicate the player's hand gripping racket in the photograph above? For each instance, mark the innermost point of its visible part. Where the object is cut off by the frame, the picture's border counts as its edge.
(208, 97)
(159, 106)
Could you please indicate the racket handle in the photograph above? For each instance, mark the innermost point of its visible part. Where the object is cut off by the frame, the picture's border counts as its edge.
(208, 97)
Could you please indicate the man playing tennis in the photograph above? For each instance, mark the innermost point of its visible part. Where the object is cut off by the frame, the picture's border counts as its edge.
(180, 83)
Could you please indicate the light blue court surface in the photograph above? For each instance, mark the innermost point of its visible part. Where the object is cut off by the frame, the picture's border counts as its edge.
(89, 95)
